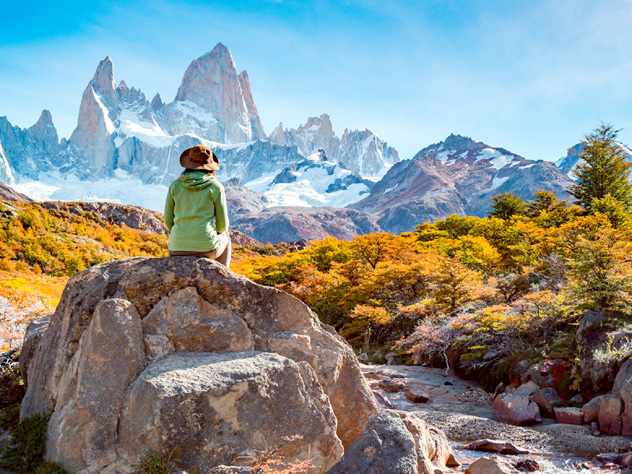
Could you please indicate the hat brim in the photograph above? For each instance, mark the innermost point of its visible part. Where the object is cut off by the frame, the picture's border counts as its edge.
(187, 162)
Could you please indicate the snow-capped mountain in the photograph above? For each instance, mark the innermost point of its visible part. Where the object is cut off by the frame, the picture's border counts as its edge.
(123, 141)
(315, 181)
(360, 151)
(456, 176)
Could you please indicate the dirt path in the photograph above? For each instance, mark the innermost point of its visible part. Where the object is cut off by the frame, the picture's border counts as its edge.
(464, 412)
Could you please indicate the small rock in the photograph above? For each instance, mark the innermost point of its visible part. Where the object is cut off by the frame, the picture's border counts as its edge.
(527, 465)
(448, 383)
(495, 446)
(594, 429)
(578, 399)
(528, 388)
(492, 465)
(516, 410)
(569, 416)
(364, 357)
(416, 396)
(372, 376)
(390, 358)
(233, 470)
(391, 386)
(545, 398)
(382, 399)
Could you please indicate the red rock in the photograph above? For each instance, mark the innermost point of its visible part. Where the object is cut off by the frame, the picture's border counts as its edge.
(516, 410)
(609, 408)
(569, 416)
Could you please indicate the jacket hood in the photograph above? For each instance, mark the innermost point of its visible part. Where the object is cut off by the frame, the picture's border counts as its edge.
(196, 181)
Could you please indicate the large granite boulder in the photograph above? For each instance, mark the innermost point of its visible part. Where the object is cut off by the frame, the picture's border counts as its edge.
(397, 442)
(129, 327)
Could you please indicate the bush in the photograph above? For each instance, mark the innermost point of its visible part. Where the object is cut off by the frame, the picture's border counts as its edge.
(25, 453)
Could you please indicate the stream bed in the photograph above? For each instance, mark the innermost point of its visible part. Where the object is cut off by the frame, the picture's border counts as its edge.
(464, 411)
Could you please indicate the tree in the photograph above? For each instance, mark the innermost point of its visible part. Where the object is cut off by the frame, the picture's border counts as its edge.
(602, 170)
(506, 205)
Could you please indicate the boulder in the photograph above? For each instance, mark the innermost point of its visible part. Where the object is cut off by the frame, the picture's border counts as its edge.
(609, 408)
(34, 333)
(209, 406)
(569, 416)
(527, 388)
(496, 446)
(516, 410)
(590, 410)
(527, 465)
(541, 375)
(391, 386)
(397, 442)
(491, 465)
(416, 396)
(118, 319)
(545, 398)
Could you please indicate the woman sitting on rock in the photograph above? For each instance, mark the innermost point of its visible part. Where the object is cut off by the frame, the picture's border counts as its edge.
(195, 210)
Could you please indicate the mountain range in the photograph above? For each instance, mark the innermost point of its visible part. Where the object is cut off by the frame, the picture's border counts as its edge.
(303, 182)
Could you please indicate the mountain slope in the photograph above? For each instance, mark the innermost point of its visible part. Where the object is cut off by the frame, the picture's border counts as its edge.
(456, 176)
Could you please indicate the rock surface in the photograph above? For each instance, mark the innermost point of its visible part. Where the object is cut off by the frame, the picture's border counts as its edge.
(122, 321)
(516, 409)
(397, 442)
(491, 466)
(614, 411)
(545, 398)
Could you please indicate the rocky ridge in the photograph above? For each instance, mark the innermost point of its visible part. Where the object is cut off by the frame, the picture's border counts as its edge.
(456, 176)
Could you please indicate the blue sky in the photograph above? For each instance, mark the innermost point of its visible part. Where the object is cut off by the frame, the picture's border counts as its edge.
(530, 76)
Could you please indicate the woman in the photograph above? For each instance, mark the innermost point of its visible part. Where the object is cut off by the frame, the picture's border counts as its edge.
(195, 210)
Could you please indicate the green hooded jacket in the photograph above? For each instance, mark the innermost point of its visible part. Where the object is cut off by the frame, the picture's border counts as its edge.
(195, 212)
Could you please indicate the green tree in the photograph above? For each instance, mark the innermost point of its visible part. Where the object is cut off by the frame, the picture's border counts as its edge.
(507, 205)
(602, 170)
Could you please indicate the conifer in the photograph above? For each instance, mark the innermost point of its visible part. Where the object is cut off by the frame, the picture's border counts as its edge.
(602, 170)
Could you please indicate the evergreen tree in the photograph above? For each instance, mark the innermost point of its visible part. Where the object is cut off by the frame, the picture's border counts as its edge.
(506, 205)
(603, 170)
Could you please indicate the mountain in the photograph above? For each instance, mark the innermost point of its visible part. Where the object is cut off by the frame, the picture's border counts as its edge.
(286, 224)
(569, 162)
(315, 181)
(455, 176)
(360, 151)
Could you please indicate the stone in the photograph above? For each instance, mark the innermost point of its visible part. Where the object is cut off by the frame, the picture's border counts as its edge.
(540, 374)
(208, 408)
(500, 388)
(569, 416)
(609, 408)
(496, 446)
(623, 387)
(233, 470)
(527, 465)
(545, 398)
(32, 339)
(391, 386)
(92, 391)
(516, 410)
(594, 429)
(527, 388)
(382, 399)
(578, 399)
(491, 465)
(115, 318)
(590, 410)
(416, 396)
(397, 442)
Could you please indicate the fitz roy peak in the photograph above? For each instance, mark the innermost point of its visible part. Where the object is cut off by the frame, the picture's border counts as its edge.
(122, 137)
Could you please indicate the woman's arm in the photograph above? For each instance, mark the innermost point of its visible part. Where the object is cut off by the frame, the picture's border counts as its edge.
(169, 205)
(221, 211)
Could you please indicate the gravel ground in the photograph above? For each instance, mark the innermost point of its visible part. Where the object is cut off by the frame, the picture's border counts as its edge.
(464, 412)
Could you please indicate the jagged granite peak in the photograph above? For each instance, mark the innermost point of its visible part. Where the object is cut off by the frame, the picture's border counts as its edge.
(361, 151)
(103, 82)
(44, 133)
(257, 126)
(156, 102)
(211, 82)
